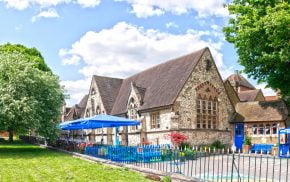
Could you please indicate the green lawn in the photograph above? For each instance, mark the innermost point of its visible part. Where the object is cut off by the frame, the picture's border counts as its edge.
(21, 162)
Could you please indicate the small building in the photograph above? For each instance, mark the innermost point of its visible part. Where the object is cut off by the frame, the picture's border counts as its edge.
(260, 120)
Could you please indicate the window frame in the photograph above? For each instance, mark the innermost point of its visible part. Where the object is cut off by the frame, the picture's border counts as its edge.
(155, 120)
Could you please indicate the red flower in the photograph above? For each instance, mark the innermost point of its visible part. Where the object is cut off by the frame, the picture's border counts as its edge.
(177, 138)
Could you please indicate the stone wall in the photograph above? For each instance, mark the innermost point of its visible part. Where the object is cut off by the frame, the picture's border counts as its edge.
(207, 137)
(231, 93)
(185, 104)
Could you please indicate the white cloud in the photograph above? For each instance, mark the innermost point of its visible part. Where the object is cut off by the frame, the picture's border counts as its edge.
(50, 13)
(171, 25)
(125, 49)
(23, 4)
(88, 3)
(77, 89)
(215, 27)
(17, 4)
(157, 7)
(143, 11)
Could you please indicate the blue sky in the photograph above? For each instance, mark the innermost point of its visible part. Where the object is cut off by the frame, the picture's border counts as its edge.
(116, 38)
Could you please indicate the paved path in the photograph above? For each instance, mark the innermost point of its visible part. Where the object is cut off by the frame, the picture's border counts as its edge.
(258, 168)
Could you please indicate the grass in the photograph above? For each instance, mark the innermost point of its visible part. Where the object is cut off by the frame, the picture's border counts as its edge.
(25, 162)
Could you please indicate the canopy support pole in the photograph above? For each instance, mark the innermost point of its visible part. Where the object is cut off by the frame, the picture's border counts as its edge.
(102, 139)
(82, 134)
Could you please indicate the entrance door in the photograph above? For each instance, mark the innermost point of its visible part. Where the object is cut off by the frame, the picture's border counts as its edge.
(239, 135)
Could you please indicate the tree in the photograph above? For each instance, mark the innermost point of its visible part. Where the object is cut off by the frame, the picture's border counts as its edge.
(260, 31)
(31, 54)
(30, 97)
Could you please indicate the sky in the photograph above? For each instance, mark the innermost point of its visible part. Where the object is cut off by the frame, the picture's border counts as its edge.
(117, 38)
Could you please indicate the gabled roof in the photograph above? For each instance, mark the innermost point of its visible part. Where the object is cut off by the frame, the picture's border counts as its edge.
(233, 95)
(249, 95)
(78, 110)
(261, 111)
(162, 83)
(108, 88)
(238, 78)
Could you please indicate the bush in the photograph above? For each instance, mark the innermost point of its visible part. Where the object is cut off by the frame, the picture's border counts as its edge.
(248, 141)
(184, 146)
(166, 179)
(217, 145)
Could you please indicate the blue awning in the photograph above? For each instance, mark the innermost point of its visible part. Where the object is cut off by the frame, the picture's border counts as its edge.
(98, 121)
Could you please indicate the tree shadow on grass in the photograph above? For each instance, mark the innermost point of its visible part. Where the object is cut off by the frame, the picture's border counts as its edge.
(22, 150)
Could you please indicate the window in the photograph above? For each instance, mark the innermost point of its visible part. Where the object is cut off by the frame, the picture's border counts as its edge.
(255, 130)
(93, 92)
(264, 129)
(274, 129)
(261, 129)
(93, 106)
(198, 107)
(206, 110)
(98, 110)
(268, 129)
(155, 120)
(132, 111)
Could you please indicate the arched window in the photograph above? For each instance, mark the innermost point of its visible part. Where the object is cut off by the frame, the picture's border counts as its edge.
(93, 106)
(87, 113)
(132, 112)
(98, 110)
(93, 92)
(206, 107)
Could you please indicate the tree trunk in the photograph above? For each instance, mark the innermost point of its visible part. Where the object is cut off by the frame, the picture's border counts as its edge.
(10, 131)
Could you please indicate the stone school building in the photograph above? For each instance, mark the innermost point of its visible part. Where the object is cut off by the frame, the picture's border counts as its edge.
(186, 95)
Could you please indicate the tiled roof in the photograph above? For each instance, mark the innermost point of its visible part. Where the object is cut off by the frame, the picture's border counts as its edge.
(161, 84)
(261, 111)
(249, 95)
(273, 97)
(78, 110)
(108, 88)
(238, 78)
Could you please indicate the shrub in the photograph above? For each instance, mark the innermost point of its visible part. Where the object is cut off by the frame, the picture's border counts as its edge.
(184, 146)
(177, 138)
(166, 179)
(218, 145)
(248, 141)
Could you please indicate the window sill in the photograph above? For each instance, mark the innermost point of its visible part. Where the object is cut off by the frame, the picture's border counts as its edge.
(256, 136)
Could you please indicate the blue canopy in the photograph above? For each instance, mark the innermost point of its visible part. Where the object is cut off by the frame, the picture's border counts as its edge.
(98, 121)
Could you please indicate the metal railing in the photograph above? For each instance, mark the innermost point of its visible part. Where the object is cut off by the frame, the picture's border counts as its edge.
(203, 163)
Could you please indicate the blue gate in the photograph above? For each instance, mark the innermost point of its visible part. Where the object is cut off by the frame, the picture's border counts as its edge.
(239, 135)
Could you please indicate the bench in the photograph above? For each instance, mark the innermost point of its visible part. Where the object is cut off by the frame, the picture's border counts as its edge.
(261, 148)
